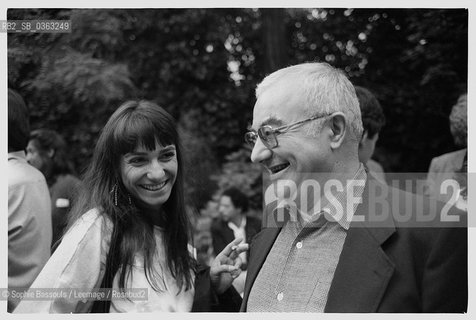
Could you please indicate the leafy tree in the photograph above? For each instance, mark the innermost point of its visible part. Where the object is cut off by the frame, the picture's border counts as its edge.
(239, 172)
(413, 60)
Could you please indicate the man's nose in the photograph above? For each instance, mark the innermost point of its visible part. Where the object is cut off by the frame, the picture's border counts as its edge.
(155, 171)
(260, 152)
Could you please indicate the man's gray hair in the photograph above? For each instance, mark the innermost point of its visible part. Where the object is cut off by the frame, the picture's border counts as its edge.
(325, 90)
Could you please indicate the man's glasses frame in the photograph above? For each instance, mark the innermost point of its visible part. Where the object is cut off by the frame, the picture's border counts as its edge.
(268, 134)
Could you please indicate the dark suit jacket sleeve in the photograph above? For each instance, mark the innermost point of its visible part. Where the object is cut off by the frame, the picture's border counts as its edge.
(445, 279)
(205, 298)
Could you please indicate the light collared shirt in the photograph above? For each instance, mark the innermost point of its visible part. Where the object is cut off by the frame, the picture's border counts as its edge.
(297, 273)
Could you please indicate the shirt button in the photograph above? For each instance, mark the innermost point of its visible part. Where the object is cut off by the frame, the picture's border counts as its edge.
(299, 245)
(280, 296)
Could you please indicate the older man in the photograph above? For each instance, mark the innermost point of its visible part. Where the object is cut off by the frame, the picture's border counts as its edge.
(344, 247)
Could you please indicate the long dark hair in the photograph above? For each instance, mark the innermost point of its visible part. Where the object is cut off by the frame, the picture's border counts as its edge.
(133, 124)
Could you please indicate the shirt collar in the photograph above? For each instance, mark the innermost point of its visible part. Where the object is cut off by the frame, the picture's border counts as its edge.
(343, 215)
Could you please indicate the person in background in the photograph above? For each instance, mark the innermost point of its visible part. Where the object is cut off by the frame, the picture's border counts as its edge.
(373, 120)
(233, 223)
(129, 228)
(29, 209)
(452, 165)
(348, 249)
(47, 151)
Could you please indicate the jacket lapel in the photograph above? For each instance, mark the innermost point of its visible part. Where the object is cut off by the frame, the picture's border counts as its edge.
(259, 250)
(364, 270)
(361, 276)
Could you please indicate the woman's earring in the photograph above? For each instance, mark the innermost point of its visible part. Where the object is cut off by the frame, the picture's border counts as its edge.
(114, 190)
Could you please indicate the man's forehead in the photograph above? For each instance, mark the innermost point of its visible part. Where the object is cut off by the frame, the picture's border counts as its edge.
(275, 114)
(278, 105)
(225, 200)
(268, 111)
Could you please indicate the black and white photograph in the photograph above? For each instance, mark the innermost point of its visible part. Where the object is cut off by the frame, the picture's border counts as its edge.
(235, 158)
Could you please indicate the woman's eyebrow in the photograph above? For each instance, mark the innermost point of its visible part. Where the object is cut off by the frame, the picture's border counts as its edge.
(168, 148)
(142, 153)
(134, 154)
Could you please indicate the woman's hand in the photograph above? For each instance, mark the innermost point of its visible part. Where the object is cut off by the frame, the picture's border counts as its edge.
(227, 266)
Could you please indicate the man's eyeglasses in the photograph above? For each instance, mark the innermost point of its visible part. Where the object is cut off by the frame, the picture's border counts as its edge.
(268, 135)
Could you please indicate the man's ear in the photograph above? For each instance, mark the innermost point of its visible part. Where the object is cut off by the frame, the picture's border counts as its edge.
(338, 129)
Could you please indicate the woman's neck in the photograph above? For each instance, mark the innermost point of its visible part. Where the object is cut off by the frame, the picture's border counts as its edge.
(155, 216)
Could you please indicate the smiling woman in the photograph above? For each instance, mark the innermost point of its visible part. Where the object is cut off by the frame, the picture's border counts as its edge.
(149, 176)
(129, 228)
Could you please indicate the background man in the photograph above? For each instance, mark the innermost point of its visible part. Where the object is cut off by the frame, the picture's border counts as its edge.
(234, 223)
(48, 152)
(306, 129)
(452, 165)
(373, 120)
(29, 208)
